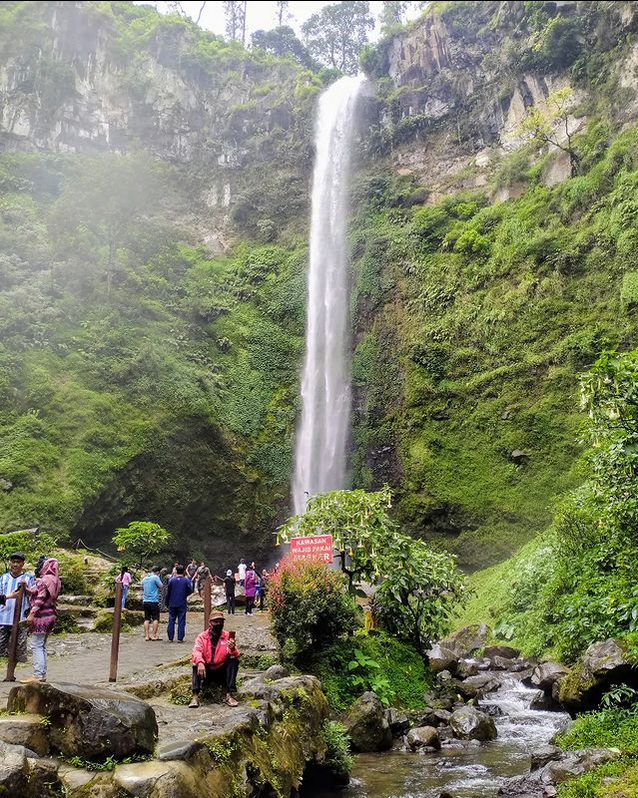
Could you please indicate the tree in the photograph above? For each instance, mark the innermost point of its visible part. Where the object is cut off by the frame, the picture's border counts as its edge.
(282, 12)
(98, 214)
(282, 42)
(543, 127)
(417, 589)
(418, 597)
(392, 15)
(235, 13)
(359, 524)
(141, 539)
(335, 35)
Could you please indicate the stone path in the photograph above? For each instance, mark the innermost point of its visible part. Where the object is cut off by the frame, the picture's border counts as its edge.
(85, 658)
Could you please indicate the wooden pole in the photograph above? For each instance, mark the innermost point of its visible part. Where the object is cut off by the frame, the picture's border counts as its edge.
(208, 585)
(115, 635)
(15, 631)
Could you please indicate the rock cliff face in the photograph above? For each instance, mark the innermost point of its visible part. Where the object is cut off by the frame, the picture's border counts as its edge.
(459, 89)
(81, 79)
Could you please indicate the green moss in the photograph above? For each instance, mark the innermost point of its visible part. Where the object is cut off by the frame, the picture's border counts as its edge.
(400, 664)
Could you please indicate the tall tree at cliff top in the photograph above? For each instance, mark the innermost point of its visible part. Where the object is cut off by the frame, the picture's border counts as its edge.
(235, 13)
(335, 35)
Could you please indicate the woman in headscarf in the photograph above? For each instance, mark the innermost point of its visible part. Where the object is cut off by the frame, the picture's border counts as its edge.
(42, 614)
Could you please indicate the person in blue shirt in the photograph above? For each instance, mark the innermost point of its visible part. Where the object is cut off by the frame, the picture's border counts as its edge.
(151, 585)
(179, 589)
(9, 584)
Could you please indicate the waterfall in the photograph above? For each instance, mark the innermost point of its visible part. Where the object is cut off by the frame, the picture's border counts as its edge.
(323, 432)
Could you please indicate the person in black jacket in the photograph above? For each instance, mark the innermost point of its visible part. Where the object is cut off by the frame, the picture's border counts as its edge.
(177, 592)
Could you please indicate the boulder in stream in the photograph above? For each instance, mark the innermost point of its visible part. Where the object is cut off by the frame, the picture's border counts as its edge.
(467, 640)
(368, 725)
(423, 737)
(505, 652)
(469, 723)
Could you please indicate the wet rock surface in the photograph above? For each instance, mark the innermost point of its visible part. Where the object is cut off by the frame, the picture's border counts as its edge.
(469, 723)
(367, 724)
(603, 664)
(89, 721)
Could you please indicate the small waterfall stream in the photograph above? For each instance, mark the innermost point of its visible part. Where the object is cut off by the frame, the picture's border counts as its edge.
(468, 770)
(323, 432)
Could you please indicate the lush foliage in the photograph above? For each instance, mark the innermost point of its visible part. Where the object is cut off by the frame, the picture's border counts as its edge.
(577, 584)
(383, 663)
(336, 33)
(419, 588)
(612, 727)
(473, 320)
(140, 540)
(310, 608)
(30, 544)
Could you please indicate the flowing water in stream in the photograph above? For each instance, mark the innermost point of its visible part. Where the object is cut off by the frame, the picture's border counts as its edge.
(467, 772)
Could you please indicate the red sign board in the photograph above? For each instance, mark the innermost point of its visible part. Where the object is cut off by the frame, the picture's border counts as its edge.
(313, 547)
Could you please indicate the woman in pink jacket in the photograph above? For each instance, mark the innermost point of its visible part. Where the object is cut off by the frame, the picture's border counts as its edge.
(250, 588)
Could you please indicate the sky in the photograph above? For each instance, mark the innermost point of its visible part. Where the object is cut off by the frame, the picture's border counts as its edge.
(260, 13)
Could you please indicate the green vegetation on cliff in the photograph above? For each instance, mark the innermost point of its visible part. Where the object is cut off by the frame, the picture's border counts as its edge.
(476, 319)
(140, 377)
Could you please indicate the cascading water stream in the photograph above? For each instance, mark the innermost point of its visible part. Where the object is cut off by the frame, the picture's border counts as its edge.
(323, 432)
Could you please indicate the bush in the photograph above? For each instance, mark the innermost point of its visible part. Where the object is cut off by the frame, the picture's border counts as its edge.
(310, 608)
(338, 756)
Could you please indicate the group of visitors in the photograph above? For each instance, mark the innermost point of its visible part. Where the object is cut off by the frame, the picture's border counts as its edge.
(214, 659)
(255, 586)
(161, 593)
(38, 612)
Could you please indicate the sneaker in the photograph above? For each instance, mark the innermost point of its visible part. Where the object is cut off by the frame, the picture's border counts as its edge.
(32, 679)
(232, 702)
(194, 704)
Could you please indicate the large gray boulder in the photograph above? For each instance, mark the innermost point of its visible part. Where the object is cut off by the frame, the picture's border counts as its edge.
(423, 737)
(14, 770)
(467, 640)
(547, 677)
(601, 666)
(367, 724)
(469, 723)
(89, 721)
(441, 659)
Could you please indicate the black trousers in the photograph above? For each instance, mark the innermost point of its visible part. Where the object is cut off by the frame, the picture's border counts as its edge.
(226, 675)
(230, 603)
(250, 603)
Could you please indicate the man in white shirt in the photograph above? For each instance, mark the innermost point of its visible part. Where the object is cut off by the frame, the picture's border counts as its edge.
(241, 570)
(9, 584)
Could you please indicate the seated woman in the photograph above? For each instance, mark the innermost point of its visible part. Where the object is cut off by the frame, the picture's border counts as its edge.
(215, 659)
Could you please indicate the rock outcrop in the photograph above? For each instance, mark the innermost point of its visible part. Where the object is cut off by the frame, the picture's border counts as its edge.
(603, 664)
(368, 725)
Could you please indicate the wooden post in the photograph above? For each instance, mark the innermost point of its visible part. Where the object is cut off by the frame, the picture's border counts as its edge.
(15, 630)
(208, 585)
(115, 635)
